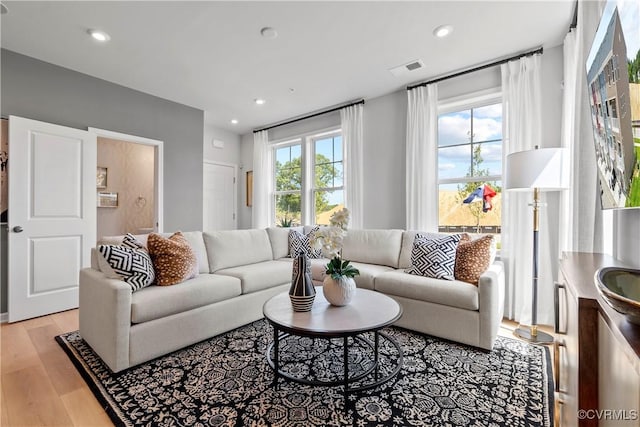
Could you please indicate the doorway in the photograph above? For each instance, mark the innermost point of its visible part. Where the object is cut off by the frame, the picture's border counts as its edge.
(219, 196)
(128, 184)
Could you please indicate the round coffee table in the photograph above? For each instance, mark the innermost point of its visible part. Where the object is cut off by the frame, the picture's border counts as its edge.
(366, 315)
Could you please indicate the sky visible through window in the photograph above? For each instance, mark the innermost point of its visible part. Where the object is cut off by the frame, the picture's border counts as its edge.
(454, 136)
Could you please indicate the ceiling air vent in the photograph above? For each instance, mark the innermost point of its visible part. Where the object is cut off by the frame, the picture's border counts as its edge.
(406, 68)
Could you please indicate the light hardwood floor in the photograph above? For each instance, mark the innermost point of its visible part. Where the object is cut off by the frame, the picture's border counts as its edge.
(39, 384)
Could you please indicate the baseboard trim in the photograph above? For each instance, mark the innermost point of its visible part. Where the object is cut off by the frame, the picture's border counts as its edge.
(4, 317)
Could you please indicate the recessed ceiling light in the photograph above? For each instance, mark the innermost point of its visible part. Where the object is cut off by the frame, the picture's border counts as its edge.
(443, 31)
(100, 36)
(234, 121)
(269, 33)
(259, 101)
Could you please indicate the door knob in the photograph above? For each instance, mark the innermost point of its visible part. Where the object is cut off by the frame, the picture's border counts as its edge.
(17, 229)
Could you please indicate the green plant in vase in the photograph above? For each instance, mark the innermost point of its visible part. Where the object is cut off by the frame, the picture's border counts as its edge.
(339, 285)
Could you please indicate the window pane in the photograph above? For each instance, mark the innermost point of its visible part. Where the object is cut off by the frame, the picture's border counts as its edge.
(288, 179)
(326, 203)
(324, 149)
(296, 152)
(339, 174)
(337, 148)
(288, 168)
(282, 155)
(456, 216)
(288, 209)
(454, 128)
(491, 155)
(487, 123)
(454, 162)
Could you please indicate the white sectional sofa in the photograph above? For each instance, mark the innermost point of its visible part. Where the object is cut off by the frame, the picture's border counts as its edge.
(241, 269)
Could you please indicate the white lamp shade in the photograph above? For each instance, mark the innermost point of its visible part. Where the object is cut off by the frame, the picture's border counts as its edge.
(544, 169)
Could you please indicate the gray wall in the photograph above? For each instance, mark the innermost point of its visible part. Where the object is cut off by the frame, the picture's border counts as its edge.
(231, 151)
(626, 238)
(246, 164)
(384, 140)
(46, 92)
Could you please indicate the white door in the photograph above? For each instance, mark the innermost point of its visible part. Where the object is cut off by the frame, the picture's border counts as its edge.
(52, 215)
(219, 199)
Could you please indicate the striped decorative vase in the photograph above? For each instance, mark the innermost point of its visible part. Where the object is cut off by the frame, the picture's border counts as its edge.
(302, 293)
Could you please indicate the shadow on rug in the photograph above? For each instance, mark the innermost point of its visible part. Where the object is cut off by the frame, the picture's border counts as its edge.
(225, 381)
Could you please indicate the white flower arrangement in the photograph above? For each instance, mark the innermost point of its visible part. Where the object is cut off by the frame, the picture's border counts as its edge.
(330, 240)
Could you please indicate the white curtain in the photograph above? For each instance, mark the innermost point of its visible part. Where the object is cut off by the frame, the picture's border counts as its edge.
(580, 215)
(522, 130)
(422, 160)
(262, 180)
(352, 137)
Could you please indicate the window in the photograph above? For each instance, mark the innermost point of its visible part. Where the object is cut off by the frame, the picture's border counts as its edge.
(328, 169)
(470, 156)
(288, 184)
(308, 179)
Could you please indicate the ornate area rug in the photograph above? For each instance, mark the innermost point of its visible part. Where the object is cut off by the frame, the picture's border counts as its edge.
(225, 381)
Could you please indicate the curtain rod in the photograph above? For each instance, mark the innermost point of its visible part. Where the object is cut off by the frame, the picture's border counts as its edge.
(477, 68)
(310, 115)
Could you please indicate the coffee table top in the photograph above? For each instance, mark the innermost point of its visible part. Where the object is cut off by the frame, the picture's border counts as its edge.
(368, 311)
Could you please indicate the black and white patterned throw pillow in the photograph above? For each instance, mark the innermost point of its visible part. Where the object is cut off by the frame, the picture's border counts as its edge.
(134, 266)
(434, 256)
(299, 242)
(130, 241)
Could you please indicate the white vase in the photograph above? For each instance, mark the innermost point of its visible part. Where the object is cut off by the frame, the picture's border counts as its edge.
(339, 292)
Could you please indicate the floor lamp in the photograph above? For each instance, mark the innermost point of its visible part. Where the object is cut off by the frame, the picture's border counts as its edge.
(538, 170)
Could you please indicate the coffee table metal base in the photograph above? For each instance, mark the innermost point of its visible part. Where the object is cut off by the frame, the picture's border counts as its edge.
(346, 380)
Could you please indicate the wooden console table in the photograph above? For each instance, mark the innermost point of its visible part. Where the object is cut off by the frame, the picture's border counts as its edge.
(597, 352)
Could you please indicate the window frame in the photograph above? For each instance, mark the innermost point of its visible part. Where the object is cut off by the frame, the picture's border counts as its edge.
(289, 142)
(314, 190)
(307, 153)
(467, 102)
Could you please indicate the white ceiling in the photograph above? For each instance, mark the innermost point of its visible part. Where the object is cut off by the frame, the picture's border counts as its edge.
(210, 55)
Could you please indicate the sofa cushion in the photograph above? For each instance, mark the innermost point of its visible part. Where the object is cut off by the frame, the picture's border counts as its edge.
(452, 293)
(380, 247)
(279, 239)
(232, 248)
(434, 256)
(155, 302)
(173, 258)
(261, 275)
(472, 258)
(302, 242)
(368, 273)
(196, 242)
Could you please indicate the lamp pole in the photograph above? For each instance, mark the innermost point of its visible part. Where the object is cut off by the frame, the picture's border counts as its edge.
(532, 334)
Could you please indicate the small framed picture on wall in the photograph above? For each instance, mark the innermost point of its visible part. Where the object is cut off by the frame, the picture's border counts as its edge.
(101, 178)
(250, 188)
(107, 200)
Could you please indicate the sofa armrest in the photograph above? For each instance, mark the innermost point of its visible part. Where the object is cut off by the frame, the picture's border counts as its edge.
(491, 303)
(105, 317)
